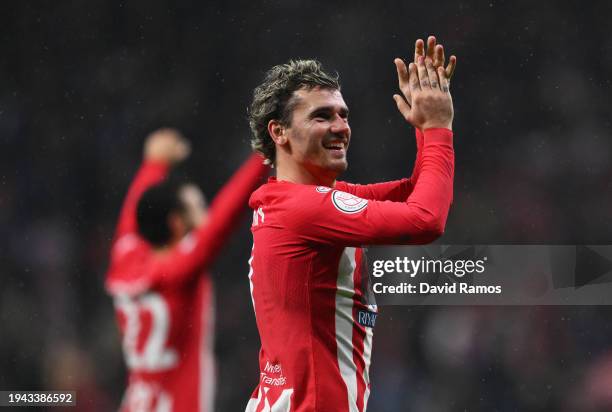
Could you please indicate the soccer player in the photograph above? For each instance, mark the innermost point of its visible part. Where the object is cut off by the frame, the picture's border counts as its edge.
(309, 286)
(164, 244)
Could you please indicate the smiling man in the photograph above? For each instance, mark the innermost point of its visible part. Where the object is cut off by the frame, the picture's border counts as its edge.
(309, 284)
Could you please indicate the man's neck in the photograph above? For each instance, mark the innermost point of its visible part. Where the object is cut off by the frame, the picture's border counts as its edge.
(161, 251)
(304, 177)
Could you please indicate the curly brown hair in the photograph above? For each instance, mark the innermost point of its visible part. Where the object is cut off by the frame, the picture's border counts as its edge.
(272, 99)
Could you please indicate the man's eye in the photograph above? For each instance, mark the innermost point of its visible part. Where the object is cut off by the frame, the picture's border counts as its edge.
(321, 116)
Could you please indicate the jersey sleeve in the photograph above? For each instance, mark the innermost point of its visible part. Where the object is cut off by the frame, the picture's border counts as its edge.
(149, 174)
(201, 247)
(334, 217)
(395, 191)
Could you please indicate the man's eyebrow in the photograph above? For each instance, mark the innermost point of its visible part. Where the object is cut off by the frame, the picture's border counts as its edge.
(327, 109)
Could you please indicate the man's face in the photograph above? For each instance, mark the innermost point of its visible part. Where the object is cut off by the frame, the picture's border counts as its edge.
(319, 134)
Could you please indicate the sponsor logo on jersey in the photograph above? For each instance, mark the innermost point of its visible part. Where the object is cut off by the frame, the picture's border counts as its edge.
(323, 189)
(348, 203)
(366, 318)
(272, 375)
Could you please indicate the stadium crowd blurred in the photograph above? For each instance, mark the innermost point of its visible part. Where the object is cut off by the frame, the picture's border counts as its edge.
(82, 84)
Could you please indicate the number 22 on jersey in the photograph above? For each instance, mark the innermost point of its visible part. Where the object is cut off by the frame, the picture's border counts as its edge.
(145, 333)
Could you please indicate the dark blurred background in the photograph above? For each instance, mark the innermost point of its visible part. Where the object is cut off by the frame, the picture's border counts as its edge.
(82, 83)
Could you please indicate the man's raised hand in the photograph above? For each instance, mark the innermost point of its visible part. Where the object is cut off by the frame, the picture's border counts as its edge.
(434, 53)
(166, 145)
(432, 104)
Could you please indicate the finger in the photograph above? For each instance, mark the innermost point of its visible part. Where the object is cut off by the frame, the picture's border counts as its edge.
(438, 60)
(423, 76)
(415, 85)
(403, 78)
(402, 105)
(450, 69)
(431, 45)
(419, 50)
(402, 72)
(444, 85)
(432, 75)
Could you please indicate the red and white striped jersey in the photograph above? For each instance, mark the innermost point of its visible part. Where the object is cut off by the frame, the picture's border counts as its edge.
(309, 283)
(164, 303)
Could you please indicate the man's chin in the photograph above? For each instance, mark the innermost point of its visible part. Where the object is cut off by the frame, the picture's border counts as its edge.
(339, 166)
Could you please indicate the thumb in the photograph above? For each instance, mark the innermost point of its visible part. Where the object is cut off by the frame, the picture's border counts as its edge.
(402, 106)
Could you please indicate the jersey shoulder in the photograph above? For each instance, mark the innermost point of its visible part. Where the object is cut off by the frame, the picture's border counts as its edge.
(128, 271)
(293, 205)
(280, 193)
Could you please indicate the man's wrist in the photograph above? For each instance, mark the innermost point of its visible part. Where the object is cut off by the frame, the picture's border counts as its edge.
(429, 126)
(158, 159)
(156, 163)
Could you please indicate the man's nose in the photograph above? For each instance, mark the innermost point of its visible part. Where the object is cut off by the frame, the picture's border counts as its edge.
(340, 125)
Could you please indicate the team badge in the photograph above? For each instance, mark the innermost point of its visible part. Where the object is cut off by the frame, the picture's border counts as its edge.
(348, 203)
(323, 189)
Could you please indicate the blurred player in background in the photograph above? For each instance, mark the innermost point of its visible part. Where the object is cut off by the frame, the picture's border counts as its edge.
(164, 244)
(310, 289)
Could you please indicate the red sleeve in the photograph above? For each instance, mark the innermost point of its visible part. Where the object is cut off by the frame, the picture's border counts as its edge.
(201, 247)
(339, 218)
(395, 191)
(420, 141)
(149, 174)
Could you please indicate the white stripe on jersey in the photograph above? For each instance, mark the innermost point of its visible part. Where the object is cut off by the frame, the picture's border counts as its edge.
(251, 275)
(344, 324)
(282, 404)
(253, 402)
(367, 357)
(164, 403)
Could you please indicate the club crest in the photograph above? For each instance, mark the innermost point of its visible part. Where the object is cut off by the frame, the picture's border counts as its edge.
(348, 203)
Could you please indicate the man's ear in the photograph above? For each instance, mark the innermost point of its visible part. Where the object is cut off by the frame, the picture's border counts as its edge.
(277, 132)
